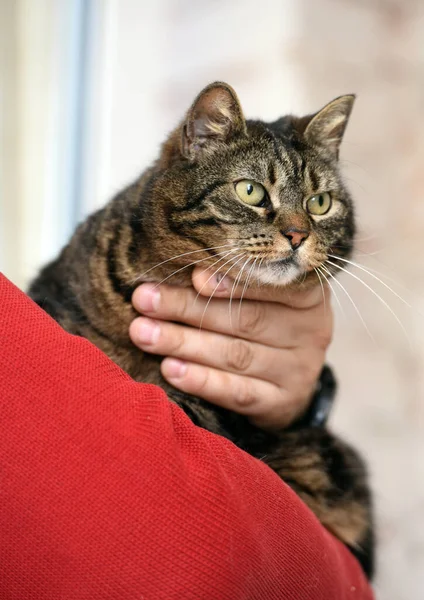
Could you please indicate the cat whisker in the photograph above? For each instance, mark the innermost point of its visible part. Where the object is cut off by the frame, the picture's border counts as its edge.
(418, 299)
(389, 308)
(240, 258)
(350, 162)
(332, 289)
(257, 266)
(246, 284)
(398, 283)
(238, 278)
(258, 283)
(349, 247)
(213, 274)
(356, 183)
(358, 312)
(368, 272)
(322, 286)
(185, 267)
(134, 281)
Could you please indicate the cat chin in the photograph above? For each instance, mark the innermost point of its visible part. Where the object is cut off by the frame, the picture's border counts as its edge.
(278, 277)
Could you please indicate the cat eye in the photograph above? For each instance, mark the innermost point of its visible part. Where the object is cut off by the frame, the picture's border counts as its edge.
(319, 204)
(251, 192)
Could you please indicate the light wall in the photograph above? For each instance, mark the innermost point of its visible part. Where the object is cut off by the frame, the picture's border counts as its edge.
(144, 64)
(155, 57)
(376, 50)
(39, 81)
(9, 216)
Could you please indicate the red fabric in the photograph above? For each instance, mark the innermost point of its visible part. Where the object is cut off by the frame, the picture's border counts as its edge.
(108, 491)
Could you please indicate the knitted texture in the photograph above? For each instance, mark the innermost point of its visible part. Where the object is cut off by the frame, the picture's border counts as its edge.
(109, 492)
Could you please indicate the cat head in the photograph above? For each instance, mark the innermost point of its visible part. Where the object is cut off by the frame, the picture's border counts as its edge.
(266, 199)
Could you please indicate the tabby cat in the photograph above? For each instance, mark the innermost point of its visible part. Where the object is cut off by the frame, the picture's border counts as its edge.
(269, 192)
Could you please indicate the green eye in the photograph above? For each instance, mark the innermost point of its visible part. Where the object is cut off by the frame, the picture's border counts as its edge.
(319, 204)
(250, 192)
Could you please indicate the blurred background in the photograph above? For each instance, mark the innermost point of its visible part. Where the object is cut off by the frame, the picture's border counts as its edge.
(90, 88)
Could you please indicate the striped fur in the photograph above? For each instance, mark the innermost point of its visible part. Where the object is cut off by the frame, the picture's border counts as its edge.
(185, 204)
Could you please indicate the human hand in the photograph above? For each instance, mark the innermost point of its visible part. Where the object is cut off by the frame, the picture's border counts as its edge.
(261, 360)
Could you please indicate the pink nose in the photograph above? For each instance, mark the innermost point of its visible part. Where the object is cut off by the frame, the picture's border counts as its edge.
(295, 236)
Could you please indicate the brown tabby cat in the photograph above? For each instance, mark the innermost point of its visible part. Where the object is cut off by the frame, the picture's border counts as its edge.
(233, 192)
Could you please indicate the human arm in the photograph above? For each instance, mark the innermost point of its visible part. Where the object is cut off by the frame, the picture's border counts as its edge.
(109, 491)
(264, 363)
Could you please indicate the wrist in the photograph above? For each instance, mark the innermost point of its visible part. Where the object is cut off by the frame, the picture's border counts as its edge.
(321, 403)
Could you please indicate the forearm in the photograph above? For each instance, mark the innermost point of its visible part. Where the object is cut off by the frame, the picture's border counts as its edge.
(110, 491)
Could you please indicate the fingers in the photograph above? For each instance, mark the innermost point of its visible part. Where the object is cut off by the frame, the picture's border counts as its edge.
(258, 358)
(271, 386)
(263, 322)
(306, 298)
(264, 403)
(234, 355)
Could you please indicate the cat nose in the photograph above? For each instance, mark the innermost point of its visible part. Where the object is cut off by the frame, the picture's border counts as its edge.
(295, 236)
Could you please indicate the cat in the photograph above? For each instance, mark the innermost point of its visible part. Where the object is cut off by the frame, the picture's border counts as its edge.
(224, 187)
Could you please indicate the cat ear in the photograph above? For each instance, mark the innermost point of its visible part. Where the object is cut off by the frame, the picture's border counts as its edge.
(215, 116)
(326, 128)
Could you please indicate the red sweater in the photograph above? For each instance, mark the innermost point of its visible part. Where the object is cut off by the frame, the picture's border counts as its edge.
(109, 492)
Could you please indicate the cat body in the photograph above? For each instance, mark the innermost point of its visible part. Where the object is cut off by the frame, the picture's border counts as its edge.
(264, 203)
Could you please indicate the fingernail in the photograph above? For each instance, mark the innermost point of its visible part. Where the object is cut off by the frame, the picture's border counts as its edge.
(175, 368)
(148, 298)
(148, 332)
(222, 282)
